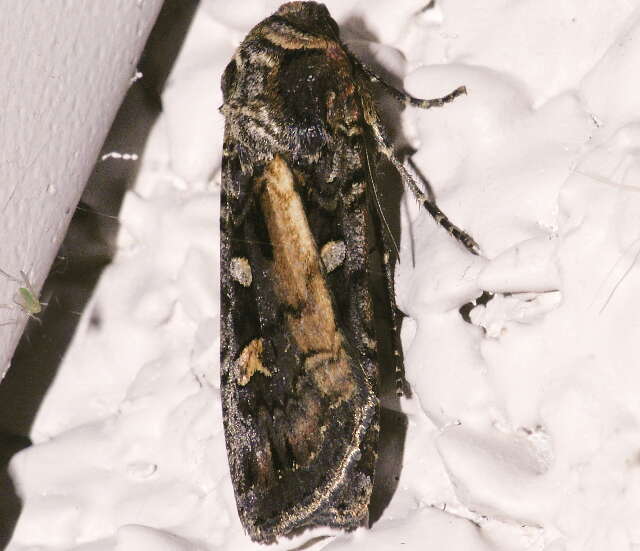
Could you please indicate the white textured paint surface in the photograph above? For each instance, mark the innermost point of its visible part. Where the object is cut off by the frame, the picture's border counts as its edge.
(65, 68)
(524, 427)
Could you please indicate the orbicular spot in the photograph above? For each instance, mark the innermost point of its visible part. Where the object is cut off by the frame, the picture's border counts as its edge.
(250, 361)
(241, 271)
(332, 254)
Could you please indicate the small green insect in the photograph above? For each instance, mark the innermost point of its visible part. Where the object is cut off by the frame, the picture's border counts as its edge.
(25, 298)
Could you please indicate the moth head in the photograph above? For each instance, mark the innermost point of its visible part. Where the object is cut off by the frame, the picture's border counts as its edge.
(228, 79)
(310, 16)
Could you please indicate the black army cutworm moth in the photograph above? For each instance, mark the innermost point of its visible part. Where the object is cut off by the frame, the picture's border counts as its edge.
(299, 363)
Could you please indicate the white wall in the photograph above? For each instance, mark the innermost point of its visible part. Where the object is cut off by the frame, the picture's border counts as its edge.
(64, 71)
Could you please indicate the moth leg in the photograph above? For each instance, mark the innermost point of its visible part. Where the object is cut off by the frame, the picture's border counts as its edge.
(440, 217)
(407, 99)
(396, 344)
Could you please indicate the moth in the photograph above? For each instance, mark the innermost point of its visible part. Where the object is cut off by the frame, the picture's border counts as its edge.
(299, 364)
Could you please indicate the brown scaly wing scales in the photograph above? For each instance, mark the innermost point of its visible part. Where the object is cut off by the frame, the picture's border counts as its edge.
(297, 406)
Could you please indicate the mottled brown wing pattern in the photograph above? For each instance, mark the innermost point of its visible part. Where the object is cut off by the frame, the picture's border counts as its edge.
(298, 350)
(299, 400)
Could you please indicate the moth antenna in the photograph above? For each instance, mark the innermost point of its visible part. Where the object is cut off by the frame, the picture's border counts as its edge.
(372, 119)
(440, 217)
(385, 238)
(379, 205)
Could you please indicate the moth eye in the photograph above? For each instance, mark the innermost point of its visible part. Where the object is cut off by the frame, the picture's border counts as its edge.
(332, 254)
(241, 271)
(229, 79)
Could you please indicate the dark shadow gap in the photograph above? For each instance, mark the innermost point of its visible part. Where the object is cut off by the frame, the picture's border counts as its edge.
(482, 300)
(389, 191)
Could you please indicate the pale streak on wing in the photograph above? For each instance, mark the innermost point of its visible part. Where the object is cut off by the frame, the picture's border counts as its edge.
(300, 284)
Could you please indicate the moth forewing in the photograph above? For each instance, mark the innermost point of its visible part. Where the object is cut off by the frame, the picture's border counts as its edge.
(309, 452)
